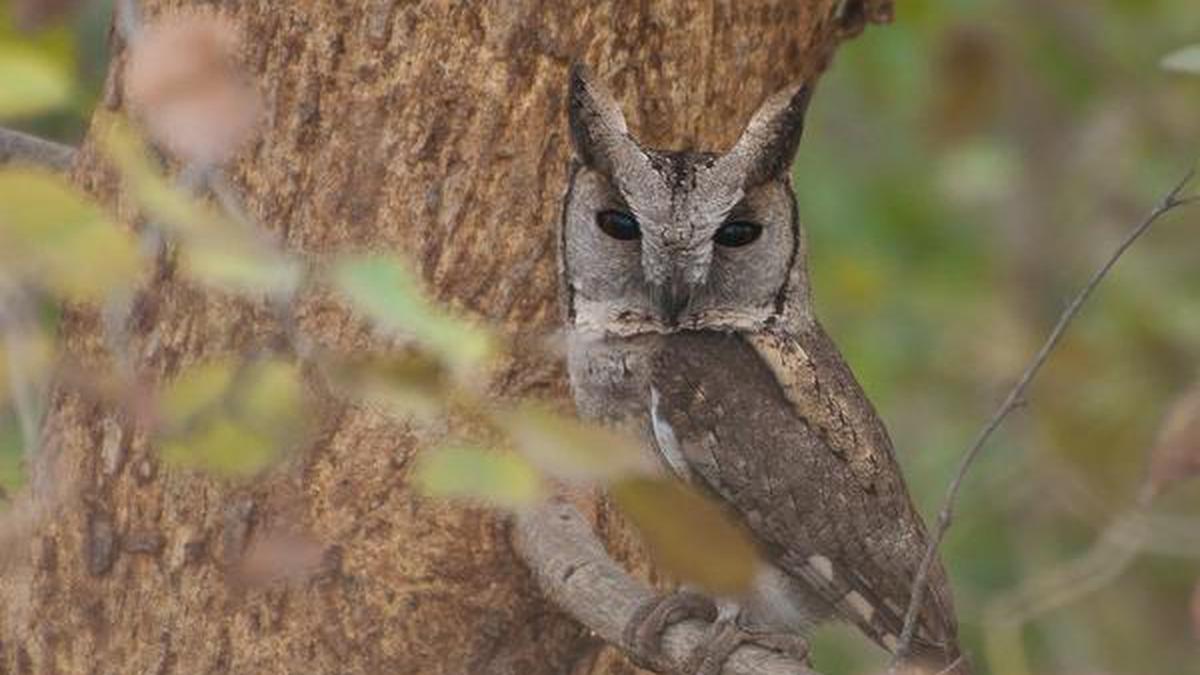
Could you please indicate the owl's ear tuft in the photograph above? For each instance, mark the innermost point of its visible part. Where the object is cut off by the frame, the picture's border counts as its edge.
(768, 145)
(598, 131)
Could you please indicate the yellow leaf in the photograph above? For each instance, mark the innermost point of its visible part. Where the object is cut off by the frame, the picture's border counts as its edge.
(574, 451)
(224, 447)
(55, 236)
(196, 390)
(408, 385)
(500, 479)
(689, 535)
(32, 83)
(233, 418)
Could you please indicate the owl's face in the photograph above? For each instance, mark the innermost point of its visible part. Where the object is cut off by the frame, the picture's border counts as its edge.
(664, 241)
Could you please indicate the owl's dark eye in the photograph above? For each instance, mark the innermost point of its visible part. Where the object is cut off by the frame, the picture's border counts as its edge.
(618, 225)
(737, 233)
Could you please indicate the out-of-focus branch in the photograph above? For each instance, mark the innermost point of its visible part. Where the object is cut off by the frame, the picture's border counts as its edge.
(573, 570)
(17, 321)
(1016, 397)
(17, 147)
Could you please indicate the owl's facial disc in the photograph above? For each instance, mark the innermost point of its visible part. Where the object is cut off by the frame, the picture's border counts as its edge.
(663, 241)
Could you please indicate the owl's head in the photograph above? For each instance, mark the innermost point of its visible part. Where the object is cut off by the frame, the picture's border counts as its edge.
(661, 241)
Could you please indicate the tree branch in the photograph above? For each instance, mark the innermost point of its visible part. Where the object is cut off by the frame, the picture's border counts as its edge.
(573, 570)
(1015, 398)
(18, 147)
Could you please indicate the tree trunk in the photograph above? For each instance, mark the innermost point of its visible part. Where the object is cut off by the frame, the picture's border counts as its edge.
(434, 129)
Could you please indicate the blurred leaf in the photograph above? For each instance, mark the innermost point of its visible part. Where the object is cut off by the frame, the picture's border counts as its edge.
(12, 465)
(279, 556)
(273, 397)
(57, 237)
(224, 447)
(215, 250)
(232, 419)
(197, 390)
(383, 289)
(501, 479)
(34, 352)
(32, 83)
(409, 385)
(571, 450)
(1186, 60)
(214, 259)
(1175, 456)
(689, 535)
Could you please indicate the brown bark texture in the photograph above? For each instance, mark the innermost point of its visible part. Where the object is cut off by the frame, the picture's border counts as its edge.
(430, 128)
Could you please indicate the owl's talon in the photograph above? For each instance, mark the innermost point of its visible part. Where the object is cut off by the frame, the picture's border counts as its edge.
(726, 635)
(643, 633)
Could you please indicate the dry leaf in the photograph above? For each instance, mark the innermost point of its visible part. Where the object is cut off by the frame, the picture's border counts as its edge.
(1176, 454)
(184, 82)
(280, 556)
(689, 535)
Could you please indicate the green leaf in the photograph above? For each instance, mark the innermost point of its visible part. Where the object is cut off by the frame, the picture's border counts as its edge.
(500, 479)
(232, 419)
(225, 261)
(214, 250)
(32, 83)
(571, 450)
(384, 290)
(690, 536)
(1186, 60)
(53, 235)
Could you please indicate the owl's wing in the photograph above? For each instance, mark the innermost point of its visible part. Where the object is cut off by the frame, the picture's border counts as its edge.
(775, 424)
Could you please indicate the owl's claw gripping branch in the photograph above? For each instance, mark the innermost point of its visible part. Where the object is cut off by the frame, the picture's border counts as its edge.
(727, 634)
(575, 572)
(643, 633)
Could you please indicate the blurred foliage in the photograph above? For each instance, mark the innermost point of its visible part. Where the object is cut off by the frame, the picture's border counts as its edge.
(964, 170)
(238, 417)
(68, 48)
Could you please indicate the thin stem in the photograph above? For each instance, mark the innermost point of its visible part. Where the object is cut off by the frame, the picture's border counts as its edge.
(1172, 201)
(21, 148)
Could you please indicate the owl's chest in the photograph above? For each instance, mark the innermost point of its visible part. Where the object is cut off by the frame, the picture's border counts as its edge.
(651, 383)
(611, 377)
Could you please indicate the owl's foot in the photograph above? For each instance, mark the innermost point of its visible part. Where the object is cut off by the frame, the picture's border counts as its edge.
(726, 635)
(643, 634)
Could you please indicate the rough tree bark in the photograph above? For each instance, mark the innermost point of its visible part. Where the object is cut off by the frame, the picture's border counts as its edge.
(429, 128)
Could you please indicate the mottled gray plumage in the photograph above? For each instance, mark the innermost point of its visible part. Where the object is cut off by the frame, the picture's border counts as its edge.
(712, 353)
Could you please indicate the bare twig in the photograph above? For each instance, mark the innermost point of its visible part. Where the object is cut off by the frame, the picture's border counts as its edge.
(21, 148)
(1172, 201)
(575, 572)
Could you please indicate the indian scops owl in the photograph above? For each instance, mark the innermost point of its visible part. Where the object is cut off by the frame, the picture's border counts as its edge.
(689, 318)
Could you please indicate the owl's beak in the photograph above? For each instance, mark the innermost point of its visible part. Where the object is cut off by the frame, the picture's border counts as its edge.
(672, 298)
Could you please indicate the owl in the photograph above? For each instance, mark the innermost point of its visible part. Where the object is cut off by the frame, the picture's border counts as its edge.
(689, 320)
